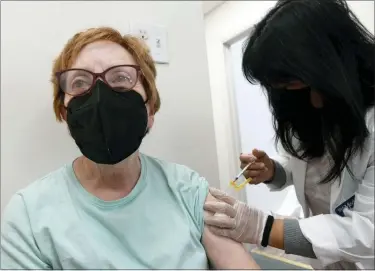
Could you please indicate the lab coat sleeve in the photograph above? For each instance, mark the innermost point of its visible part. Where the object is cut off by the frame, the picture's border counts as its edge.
(294, 240)
(350, 238)
(18, 247)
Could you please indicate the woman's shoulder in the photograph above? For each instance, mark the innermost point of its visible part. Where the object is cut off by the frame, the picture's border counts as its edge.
(363, 160)
(44, 191)
(370, 120)
(172, 171)
(369, 143)
(186, 184)
(177, 177)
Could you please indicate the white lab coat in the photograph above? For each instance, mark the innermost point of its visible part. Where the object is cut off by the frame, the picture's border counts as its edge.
(349, 237)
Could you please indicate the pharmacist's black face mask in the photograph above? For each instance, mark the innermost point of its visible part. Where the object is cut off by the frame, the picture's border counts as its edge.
(107, 126)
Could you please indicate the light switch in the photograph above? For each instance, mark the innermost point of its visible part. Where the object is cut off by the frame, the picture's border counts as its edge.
(155, 37)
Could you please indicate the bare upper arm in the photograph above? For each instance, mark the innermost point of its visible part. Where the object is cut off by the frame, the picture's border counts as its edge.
(225, 253)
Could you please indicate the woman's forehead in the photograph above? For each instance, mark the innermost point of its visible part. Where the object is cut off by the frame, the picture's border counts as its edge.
(100, 55)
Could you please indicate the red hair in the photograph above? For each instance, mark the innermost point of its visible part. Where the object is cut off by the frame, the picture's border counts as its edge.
(136, 47)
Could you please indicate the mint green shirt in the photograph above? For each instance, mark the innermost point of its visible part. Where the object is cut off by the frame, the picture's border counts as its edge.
(56, 224)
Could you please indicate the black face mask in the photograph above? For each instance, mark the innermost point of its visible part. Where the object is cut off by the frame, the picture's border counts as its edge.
(107, 126)
(290, 105)
(294, 113)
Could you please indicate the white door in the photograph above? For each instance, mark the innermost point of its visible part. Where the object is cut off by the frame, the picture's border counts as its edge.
(256, 131)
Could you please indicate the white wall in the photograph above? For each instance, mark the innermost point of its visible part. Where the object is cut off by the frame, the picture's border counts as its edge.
(223, 26)
(209, 6)
(33, 33)
(256, 131)
(364, 10)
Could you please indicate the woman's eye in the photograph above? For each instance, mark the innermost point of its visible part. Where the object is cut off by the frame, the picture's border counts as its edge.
(79, 84)
(121, 78)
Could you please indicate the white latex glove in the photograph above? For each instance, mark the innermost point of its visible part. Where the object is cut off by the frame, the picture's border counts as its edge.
(237, 220)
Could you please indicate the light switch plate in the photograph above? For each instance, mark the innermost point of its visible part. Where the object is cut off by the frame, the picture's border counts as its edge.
(155, 37)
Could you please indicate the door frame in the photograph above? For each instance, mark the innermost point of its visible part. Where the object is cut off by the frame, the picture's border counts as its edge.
(233, 128)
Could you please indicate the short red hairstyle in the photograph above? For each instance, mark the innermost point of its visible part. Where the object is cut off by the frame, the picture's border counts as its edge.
(136, 47)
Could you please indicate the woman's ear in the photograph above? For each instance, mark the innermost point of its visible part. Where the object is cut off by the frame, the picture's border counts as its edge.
(150, 122)
(151, 116)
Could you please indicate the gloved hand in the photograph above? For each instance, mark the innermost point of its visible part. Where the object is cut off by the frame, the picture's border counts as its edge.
(234, 219)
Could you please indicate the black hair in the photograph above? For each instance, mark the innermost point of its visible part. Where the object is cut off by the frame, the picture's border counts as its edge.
(322, 44)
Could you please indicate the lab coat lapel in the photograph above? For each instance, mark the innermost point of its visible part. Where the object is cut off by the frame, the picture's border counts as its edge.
(336, 189)
(299, 174)
(344, 190)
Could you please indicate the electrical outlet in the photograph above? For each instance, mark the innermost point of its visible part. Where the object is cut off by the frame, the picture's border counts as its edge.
(155, 37)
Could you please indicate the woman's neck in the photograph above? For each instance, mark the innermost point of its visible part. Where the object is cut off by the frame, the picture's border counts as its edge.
(108, 182)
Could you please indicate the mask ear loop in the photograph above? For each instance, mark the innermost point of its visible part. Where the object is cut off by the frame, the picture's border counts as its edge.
(147, 130)
(61, 97)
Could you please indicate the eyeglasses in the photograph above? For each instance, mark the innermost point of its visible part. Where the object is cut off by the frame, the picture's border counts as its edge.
(77, 82)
